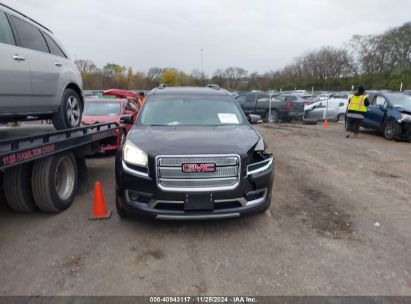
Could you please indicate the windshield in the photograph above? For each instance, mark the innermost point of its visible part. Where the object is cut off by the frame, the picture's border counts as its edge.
(400, 100)
(190, 111)
(102, 108)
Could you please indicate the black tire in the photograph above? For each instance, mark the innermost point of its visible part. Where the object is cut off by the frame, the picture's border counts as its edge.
(121, 212)
(17, 190)
(70, 112)
(55, 182)
(274, 115)
(391, 130)
(266, 207)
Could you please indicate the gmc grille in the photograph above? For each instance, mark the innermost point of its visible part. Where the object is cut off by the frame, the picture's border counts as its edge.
(170, 176)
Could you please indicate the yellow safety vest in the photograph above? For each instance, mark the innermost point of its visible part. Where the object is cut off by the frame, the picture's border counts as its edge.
(357, 103)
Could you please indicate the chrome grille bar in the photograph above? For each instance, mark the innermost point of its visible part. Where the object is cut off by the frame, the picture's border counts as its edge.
(170, 176)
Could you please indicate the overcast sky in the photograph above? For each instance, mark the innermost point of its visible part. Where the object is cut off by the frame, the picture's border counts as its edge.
(258, 35)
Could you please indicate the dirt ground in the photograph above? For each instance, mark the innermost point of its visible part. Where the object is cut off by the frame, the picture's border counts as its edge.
(339, 224)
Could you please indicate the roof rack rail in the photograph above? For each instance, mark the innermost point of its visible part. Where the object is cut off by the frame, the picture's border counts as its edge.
(162, 86)
(213, 86)
(25, 16)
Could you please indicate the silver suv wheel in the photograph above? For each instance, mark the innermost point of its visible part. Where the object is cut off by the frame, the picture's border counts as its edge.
(73, 111)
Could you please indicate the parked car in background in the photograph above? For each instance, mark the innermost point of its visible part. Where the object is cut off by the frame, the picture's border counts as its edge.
(285, 108)
(390, 114)
(37, 77)
(104, 110)
(336, 109)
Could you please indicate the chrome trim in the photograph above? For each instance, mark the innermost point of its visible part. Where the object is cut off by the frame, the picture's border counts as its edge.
(243, 201)
(133, 172)
(268, 165)
(198, 189)
(153, 203)
(197, 217)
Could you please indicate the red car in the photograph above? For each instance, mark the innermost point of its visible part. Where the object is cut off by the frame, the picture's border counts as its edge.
(120, 93)
(104, 110)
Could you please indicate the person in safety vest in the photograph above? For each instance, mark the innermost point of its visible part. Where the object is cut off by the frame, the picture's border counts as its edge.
(357, 106)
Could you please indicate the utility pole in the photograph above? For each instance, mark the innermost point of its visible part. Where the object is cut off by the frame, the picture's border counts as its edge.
(202, 60)
(270, 117)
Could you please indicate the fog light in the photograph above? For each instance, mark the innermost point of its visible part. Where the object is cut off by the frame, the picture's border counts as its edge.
(133, 196)
(253, 195)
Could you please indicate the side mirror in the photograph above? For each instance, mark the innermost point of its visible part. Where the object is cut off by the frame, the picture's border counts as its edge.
(341, 104)
(128, 120)
(253, 118)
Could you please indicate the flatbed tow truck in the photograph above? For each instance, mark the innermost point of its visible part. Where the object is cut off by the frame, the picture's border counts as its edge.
(41, 168)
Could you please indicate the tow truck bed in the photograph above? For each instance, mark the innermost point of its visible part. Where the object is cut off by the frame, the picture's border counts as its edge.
(37, 162)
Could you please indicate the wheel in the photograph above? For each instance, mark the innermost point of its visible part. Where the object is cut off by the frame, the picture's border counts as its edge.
(54, 182)
(17, 190)
(121, 212)
(70, 111)
(274, 116)
(341, 118)
(391, 130)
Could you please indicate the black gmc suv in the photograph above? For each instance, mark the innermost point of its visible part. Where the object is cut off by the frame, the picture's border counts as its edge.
(192, 154)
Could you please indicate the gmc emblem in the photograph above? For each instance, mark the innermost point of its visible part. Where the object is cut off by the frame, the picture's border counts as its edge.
(189, 168)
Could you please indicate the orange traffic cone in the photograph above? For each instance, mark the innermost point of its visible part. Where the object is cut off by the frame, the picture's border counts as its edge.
(325, 124)
(99, 209)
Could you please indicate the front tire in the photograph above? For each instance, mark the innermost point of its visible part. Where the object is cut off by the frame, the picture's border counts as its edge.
(391, 130)
(341, 118)
(54, 182)
(121, 212)
(70, 112)
(274, 115)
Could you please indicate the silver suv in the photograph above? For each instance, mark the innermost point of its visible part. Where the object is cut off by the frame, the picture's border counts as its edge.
(37, 78)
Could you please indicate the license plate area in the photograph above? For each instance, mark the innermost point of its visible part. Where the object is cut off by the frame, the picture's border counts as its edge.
(199, 202)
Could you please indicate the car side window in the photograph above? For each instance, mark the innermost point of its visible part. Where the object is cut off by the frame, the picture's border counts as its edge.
(379, 101)
(249, 98)
(53, 46)
(29, 36)
(240, 99)
(6, 35)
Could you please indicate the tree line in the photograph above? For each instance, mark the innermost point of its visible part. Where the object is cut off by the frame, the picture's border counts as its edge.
(381, 61)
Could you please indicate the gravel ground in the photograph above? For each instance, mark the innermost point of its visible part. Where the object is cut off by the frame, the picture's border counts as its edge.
(339, 224)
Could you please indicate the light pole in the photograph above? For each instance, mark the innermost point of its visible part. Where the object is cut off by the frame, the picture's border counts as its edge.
(202, 60)
(270, 117)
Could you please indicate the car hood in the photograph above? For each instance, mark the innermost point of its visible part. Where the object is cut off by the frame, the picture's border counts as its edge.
(194, 140)
(95, 119)
(404, 109)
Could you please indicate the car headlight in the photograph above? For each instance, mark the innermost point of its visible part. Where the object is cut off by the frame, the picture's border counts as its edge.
(260, 146)
(134, 155)
(260, 161)
(405, 117)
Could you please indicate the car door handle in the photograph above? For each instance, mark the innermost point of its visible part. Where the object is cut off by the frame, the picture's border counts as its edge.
(19, 58)
(57, 63)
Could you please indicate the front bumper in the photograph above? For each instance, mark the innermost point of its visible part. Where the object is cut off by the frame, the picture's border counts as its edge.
(140, 195)
(405, 134)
